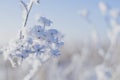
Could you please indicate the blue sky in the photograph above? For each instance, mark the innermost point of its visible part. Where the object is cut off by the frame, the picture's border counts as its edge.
(64, 14)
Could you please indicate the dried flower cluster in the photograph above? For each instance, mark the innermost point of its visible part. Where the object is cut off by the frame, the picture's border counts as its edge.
(34, 44)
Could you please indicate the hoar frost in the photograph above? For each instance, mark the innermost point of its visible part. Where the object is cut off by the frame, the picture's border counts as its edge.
(34, 45)
(36, 41)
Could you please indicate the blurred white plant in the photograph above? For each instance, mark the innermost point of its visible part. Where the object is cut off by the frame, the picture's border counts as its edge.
(103, 72)
(85, 13)
(103, 7)
(114, 13)
(95, 38)
(34, 45)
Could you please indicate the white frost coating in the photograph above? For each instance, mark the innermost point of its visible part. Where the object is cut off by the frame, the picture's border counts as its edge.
(36, 1)
(34, 69)
(113, 34)
(44, 21)
(33, 45)
(103, 72)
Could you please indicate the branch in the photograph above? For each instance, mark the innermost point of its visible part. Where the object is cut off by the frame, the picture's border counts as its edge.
(24, 5)
(26, 19)
(28, 9)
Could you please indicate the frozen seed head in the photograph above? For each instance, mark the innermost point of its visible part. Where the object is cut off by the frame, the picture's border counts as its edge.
(45, 21)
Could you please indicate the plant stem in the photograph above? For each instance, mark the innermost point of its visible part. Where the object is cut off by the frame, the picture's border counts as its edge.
(27, 16)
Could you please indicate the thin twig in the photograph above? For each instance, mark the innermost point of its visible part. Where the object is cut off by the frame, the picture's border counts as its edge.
(24, 5)
(27, 15)
(26, 19)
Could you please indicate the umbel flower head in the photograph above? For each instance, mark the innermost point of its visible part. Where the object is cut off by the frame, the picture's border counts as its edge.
(37, 41)
(33, 45)
(44, 21)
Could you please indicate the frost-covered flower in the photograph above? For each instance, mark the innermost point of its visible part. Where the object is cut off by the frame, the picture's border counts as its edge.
(55, 52)
(36, 41)
(38, 49)
(45, 21)
(52, 35)
(38, 32)
(24, 54)
(35, 44)
(29, 40)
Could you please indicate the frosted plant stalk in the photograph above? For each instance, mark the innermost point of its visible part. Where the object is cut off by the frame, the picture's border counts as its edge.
(34, 45)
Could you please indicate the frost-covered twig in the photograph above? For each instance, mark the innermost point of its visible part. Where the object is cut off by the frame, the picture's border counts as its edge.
(34, 69)
(28, 12)
(28, 9)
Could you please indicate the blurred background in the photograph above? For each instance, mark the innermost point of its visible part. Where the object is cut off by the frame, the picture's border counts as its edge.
(92, 39)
